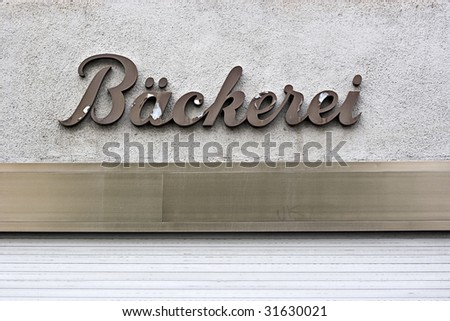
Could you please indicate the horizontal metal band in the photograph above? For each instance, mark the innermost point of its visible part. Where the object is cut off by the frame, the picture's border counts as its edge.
(375, 196)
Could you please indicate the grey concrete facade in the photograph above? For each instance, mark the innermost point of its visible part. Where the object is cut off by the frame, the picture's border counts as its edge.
(400, 48)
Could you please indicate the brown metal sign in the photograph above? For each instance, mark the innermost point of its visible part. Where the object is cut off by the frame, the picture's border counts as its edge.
(391, 196)
(261, 111)
(227, 197)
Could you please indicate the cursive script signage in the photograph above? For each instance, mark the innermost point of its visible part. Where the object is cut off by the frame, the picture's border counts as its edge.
(261, 111)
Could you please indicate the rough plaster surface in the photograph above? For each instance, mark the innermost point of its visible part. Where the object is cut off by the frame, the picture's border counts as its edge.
(401, 49)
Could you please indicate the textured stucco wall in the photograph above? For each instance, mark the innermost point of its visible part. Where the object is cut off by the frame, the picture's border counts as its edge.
(401, 49)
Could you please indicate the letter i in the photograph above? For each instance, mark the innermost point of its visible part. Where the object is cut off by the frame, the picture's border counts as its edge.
(346, 111)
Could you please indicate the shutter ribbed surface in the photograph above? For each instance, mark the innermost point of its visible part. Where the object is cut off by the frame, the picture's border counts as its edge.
(225, 266)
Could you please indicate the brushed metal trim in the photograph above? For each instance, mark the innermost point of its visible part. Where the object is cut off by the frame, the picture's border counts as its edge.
(363, 196)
